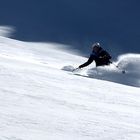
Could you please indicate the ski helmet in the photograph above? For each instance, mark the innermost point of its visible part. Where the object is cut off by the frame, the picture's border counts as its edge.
(96, 47)
(97, 44)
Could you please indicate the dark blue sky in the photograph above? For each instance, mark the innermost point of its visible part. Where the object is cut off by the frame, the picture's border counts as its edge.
(114, 23)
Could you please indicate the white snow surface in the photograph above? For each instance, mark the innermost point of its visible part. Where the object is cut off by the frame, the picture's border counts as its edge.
(40, 101)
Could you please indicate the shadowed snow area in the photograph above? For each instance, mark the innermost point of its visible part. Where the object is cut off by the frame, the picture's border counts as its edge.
(40, 101)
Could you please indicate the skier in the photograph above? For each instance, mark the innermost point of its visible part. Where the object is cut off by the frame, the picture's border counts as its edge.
(99, 55)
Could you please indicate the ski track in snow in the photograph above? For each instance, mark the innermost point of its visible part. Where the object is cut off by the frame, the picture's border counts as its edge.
(39, 101)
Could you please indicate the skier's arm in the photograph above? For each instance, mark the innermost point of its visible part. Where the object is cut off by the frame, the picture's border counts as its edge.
(90, 60)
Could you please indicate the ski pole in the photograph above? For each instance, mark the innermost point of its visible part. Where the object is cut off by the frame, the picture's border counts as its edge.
(123, 71)
(75, 69)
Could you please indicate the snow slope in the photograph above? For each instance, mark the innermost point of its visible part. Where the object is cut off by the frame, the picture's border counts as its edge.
(40, 101)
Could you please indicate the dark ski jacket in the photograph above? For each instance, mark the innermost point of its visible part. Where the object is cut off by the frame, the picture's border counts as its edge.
(101, 58)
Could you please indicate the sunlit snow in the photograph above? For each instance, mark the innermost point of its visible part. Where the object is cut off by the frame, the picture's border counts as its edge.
(40, 100)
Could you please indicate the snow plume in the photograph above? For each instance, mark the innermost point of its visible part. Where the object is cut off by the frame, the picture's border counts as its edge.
(130, 63)
(6, 31)
(125, 71)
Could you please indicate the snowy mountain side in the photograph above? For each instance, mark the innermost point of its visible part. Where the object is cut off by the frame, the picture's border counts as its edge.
(40, 101)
